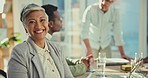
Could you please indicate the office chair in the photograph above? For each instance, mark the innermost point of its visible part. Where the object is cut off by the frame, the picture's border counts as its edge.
(3, 73)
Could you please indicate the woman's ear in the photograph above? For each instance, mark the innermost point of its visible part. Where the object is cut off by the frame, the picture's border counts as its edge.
(26, 30)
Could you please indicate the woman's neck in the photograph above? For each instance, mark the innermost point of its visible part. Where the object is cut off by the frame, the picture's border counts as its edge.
(40, 43)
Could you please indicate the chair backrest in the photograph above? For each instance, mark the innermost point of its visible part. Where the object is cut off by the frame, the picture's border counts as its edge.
(3, 73)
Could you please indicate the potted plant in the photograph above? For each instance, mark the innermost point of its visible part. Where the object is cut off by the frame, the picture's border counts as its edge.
(6, 43)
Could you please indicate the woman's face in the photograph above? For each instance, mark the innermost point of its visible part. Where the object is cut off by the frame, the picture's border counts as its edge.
(36, 25)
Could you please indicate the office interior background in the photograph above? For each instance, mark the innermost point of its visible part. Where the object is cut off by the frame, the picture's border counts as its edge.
(133, 21)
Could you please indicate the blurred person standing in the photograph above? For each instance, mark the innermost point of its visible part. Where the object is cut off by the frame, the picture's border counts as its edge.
(100, 23)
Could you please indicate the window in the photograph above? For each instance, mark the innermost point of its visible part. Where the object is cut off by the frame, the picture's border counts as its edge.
(72, 11)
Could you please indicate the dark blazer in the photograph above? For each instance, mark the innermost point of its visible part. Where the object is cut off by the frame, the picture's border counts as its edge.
(25, 62)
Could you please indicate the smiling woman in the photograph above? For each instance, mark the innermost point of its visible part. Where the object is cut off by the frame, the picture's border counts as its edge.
(36, 26)
(37, 57)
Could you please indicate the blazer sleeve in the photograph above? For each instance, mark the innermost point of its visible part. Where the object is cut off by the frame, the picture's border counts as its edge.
(67, 71)
(17, 64)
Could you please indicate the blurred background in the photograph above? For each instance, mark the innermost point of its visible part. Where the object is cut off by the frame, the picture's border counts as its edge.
(133, 22)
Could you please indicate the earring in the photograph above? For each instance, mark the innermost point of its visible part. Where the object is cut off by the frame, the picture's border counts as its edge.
(51, 26)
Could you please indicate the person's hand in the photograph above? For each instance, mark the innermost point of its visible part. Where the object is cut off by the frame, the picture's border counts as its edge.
(90, 56)
(126, 57)
(86, 61)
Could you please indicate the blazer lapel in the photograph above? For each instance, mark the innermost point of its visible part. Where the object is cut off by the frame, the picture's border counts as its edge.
(38, 65)
(35, 59)
(53, 53)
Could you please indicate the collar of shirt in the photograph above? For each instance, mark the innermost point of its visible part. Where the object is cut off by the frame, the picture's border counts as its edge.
(42, 50)
(38, 49)
(48, 36)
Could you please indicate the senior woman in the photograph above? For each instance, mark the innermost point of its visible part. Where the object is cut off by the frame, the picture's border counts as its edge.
(37, 57)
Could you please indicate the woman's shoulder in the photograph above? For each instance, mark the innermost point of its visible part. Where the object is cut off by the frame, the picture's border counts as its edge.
(55, 46)
(21, 53)
(22, 45)
(21, 48)
(53, 43)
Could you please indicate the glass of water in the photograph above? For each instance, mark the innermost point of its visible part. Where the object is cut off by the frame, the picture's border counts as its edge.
(101, 64)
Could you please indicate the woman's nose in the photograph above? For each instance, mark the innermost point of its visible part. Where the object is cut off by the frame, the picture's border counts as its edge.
(38, 25)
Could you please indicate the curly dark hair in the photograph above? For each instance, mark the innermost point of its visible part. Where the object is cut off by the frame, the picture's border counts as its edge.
(49, 9)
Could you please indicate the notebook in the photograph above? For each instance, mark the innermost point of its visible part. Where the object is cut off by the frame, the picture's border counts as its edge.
(116, 61)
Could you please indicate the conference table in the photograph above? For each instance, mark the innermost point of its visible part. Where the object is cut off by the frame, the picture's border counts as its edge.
(110, 72)
(113, 70)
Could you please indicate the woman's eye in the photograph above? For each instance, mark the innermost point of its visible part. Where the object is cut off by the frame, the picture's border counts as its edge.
(31, 22)
(42, 20)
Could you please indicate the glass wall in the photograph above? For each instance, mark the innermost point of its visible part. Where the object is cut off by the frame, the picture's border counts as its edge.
(130, 24)
(72, 10)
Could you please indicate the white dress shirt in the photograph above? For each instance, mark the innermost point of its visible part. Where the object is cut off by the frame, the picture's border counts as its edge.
(99, 27)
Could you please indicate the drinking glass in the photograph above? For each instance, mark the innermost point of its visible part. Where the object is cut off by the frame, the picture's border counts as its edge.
(101, 64)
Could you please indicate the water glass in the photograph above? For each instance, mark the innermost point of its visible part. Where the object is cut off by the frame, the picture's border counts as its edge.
(101, 64)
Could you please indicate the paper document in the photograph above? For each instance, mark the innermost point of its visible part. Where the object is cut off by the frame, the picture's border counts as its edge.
(116, 61)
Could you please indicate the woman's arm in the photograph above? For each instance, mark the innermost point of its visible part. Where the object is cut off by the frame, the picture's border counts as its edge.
(16, 65)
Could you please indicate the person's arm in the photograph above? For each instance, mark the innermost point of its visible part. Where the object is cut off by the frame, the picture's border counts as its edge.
(16, 65)
(118, 33)
(121, 50)
(78, 69)
(123, 55)
(69, 61)
(88, 47)
(85, 29)
(81, 67)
